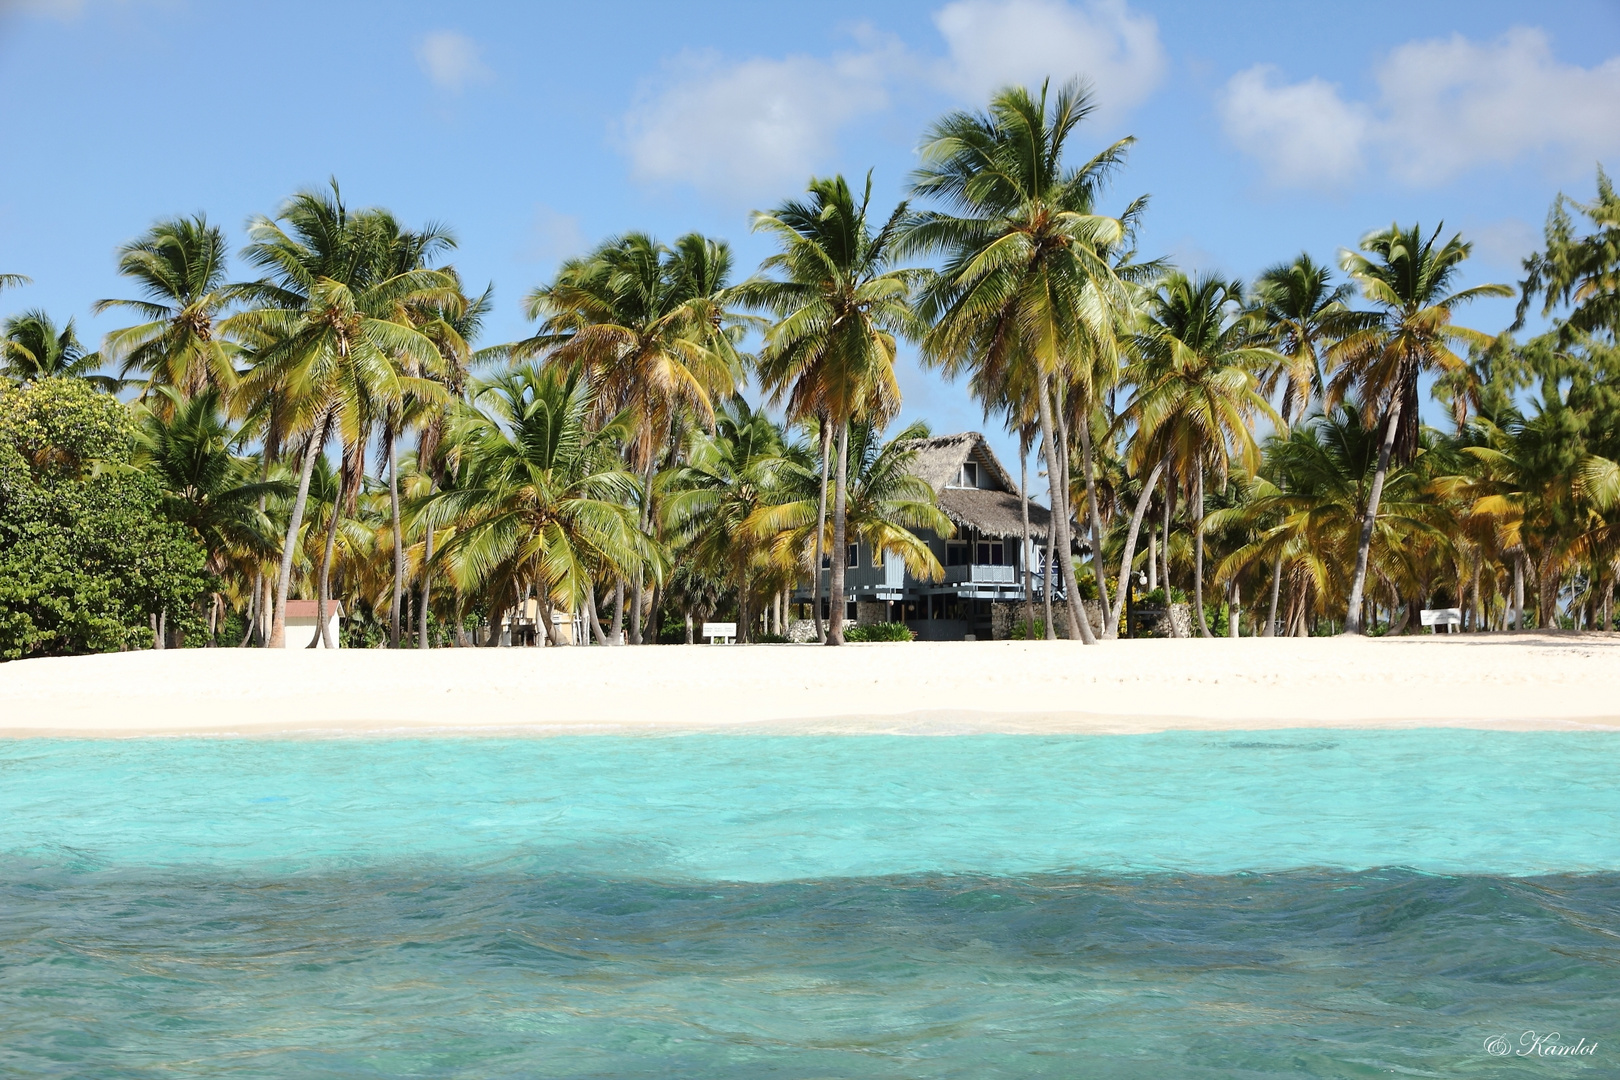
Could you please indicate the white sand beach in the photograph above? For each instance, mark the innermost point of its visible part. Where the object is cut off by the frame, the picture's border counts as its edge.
(1517, 682)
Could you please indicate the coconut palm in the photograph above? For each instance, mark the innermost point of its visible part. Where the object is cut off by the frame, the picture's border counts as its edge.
(1028, 280)
(325, 333)
(1196, 389)
(1303, 312)
(187, 447)
(1407, 278)
(653, 331)
(14, 281)
(887, 502)
(840, 305)
(179, 265)
(32, 347)
(541, 496)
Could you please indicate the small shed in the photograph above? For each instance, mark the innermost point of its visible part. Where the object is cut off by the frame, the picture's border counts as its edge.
(301, 624)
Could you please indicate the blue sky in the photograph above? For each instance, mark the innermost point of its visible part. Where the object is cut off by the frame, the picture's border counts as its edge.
(535, 129)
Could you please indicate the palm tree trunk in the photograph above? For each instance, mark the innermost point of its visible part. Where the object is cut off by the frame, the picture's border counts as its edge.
(1110, 624)
(590, 612)
(1276, 586)
(1079, 625)
(840, 556)
(1025, 552)
(1198, 557)
(1046, 589)
(399, 537)
(618, 612)
(323, 588)
(1111, 629)
(1518, 590)
(1234, 615)
(821, 533)
(427, 588)
(252, 613)
(1153, 556)
(295, 522)
(1358, 580)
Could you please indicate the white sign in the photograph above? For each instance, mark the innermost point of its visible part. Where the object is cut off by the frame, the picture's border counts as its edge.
(726, 630)
(1445, 616)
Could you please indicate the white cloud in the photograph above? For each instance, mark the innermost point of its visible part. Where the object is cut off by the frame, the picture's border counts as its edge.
(451, 60)
(1455, 104)
(747, 129)
(1444, 107)
(994, 43)
(1304, 132)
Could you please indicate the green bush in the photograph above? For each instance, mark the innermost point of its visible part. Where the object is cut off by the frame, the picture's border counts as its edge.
(883, 631)
(1027, 631)
(86, 555)
(771, 639)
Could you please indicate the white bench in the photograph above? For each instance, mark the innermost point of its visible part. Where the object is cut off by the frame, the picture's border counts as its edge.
(726, 631)
(1447, 616)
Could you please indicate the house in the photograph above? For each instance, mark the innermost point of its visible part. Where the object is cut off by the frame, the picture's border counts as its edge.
(984, 562)
(301, 624)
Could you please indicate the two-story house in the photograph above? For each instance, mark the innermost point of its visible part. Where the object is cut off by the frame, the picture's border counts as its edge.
(984, 562)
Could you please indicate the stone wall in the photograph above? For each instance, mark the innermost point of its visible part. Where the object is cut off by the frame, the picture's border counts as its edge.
(801, 631)
(868, 612)
(1005, 616)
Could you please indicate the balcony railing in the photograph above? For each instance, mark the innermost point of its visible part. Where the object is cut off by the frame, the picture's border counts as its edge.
(981, 574)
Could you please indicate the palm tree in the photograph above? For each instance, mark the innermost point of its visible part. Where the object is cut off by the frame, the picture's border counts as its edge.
(1303, 312)
(327, 341)
(717, 496)
(33, 348)
(1407, 278)
(14, 281)
(1580, 271)
(887, 503)
(541, 496)
(180, 267)
(652, 330)
(1028, 281)
(840, 306)
(1196, 389)
(186, 447)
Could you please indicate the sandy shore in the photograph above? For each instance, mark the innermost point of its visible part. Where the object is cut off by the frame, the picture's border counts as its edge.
(1516, 682)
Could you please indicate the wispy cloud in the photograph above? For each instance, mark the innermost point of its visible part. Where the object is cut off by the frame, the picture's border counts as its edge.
(1444, 107)
(451, 60)
(745, 128)
(993, 43)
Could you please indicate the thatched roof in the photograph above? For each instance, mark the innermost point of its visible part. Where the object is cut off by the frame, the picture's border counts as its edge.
(992, 512)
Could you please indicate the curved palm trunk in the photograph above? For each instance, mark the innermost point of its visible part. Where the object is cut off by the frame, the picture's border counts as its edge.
(1079, 624)
(591, 616)
(394, 603)
(840, 556)
(1110, 624)
(427, 588)
(618, 612)
(821, 533)
(295, 522)
(1276, 587)
(323, 591)
(1046, 590)
(1358, 580)
(638, 593)
(1198, 558)
(1111, 631)
(1026, 551)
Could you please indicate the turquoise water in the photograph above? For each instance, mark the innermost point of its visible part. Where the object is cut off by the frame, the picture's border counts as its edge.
(1186, 904)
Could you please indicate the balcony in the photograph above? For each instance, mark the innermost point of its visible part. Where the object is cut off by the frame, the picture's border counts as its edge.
(981, 574)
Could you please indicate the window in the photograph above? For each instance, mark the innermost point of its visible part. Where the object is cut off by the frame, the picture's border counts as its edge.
(970, 474)
(854, 560)
(957, 555)
(990, 554)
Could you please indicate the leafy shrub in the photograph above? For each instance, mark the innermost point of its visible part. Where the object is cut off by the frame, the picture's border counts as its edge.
(1027, 631)
(883, 631)
(771, 639)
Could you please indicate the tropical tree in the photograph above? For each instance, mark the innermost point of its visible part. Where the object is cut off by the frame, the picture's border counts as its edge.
(1196, 389)
(326, 338)
(1582, 272)
(887, 503)
(540, 496)
(1407, 277)
(841, 305)
(34, 348)
(653, 331)
(1027, 280)
(180, 266)
(1303, 313)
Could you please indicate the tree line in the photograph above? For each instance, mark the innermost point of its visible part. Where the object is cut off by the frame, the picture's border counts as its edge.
(333, 429)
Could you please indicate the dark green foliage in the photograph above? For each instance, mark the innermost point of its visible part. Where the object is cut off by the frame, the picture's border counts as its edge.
(883, 631)
(86, 556)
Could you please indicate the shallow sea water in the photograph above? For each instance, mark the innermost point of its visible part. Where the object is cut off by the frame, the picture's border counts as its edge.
(1189, 904)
